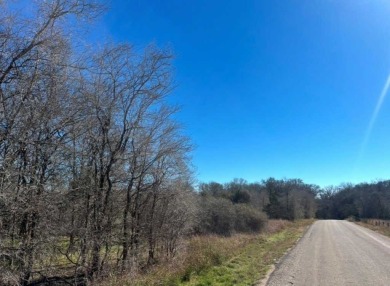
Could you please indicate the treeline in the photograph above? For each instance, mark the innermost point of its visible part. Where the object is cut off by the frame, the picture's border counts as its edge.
(240, 206)
(94, 172)
(366, 200)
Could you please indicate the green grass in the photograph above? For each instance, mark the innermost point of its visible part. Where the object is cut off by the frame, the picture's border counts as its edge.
(253, 261)
(242, 259)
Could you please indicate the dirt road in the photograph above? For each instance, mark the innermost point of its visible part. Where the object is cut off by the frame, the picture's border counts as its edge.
(336, 253)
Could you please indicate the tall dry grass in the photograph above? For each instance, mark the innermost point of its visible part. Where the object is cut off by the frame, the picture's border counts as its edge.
(275, 225)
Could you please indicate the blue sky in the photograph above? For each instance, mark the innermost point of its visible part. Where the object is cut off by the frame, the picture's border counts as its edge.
(273, 88)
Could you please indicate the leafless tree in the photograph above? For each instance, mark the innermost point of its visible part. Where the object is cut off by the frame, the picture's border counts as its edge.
(88, 149)
(34, 120)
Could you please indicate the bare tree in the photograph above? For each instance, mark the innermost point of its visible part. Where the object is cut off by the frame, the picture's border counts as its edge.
(35, 116)
(92, 165)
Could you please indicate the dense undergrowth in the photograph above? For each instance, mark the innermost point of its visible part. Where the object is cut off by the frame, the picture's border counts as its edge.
(241, 259)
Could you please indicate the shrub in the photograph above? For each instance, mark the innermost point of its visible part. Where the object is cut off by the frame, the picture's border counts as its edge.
(216, 216)
(248, 219)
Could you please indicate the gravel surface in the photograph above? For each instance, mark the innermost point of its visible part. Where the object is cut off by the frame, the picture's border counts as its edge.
(336, 253)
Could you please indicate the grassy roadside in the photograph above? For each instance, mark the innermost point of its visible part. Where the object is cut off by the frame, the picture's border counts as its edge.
(253, 261)
(380, 229)
(214, 260)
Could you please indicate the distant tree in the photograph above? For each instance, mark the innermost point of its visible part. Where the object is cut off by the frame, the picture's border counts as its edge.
(358, 201)
(240, 196)
(213, 189)
(274, 208)
(290, 199)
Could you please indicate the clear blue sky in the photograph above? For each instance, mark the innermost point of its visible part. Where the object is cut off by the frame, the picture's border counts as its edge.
(273, 88)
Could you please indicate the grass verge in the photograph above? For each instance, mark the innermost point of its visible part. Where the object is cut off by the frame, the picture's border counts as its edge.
(253, 261)
(241, 259)
(380, 229)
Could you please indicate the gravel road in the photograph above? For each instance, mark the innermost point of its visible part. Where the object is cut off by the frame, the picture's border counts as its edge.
(336, 253)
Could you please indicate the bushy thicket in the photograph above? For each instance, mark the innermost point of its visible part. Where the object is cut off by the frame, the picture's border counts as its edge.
(220, 216)
(239, 206)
